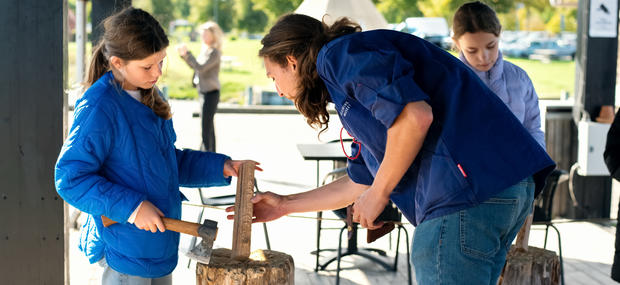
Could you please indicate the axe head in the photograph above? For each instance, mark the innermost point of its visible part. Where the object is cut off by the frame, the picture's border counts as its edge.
(202, 252)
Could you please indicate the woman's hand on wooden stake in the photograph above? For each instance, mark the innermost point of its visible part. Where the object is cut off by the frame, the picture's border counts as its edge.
(268, 206)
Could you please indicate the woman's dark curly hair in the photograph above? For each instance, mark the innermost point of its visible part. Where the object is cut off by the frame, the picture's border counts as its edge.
(303, 37)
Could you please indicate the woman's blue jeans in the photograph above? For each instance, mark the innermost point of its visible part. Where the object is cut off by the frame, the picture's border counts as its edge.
(470, 246)
(113, 277)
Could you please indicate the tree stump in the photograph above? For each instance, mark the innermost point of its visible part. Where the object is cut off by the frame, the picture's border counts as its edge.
(534, 266)
(238, 266)
(262, 267)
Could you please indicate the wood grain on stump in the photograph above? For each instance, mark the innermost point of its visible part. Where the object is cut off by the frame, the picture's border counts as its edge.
(535, 266)
(263, 267)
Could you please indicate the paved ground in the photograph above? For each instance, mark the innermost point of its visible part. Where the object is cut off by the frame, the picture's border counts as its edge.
(271, 139)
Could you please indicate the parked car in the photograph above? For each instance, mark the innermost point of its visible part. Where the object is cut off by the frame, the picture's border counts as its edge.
(432, 29)
(521, 48)
(540, 48)
(553, 50)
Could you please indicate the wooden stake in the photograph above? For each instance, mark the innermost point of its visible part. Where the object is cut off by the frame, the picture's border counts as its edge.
(523, 237)
(242, 227)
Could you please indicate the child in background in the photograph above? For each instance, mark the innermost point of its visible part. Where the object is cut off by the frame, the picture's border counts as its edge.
(120, 161)
(476, 35)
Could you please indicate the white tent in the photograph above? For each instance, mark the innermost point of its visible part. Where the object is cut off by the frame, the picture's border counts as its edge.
(361, 11)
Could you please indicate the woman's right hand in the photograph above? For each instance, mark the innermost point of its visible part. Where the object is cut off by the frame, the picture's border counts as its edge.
(182, 49)
(148, 218)
(268, 206)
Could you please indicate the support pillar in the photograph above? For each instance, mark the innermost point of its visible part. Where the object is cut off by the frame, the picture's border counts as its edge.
(33, 57)
(595, 82)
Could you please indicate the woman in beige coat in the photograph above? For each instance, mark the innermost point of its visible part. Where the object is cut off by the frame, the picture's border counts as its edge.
(206, 77)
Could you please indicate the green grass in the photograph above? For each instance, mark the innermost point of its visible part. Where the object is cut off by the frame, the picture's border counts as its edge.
(248, 70)
(177, 74)
(550, 79)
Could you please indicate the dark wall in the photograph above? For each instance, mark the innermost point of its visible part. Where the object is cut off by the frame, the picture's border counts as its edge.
(32, 61)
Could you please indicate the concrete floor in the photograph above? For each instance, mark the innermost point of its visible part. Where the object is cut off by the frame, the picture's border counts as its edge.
(271, 139)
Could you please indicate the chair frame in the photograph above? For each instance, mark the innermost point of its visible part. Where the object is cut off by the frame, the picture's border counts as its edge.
(352, 248)
(557, 177)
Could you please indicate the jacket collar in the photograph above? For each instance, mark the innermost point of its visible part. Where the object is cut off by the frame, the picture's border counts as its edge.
(493, 74)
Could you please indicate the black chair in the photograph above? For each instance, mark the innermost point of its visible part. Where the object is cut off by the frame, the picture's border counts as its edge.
(220, 201)
(543, 209)
(390, 213)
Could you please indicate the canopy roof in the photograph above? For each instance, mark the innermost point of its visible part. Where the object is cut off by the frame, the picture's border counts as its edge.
(361, 11)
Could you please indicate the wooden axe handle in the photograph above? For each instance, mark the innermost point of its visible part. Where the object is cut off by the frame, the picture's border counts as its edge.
(170, 224)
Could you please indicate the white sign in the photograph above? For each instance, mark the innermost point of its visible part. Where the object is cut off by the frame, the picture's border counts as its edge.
(603, 18)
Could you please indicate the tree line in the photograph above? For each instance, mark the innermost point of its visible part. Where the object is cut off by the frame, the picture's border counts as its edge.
(255, 16)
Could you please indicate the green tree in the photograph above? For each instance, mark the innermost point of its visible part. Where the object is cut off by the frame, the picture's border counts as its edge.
(163, 12)
(225, 13)
(396, 11)
(276, 8)
(181, 8)
(249, 19)
(436, 8)
(202, 11)
(198, 11)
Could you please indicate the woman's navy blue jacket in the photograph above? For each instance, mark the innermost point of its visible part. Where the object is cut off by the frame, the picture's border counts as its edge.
(475, 147)
(118, 154)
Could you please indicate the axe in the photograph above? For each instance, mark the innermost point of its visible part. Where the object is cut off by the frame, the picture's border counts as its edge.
(207, 231)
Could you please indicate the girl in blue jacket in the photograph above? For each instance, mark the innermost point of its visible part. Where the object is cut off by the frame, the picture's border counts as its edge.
(120, 161)
(432, 138)
(476, 35)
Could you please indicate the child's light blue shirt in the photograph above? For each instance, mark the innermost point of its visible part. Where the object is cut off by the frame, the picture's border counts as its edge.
(514, 87)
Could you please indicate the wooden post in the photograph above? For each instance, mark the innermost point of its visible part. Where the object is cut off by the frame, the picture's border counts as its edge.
(237, 266)
(242, 228)
(523, 237)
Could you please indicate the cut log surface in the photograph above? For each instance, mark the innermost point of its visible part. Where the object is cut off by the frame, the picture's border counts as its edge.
(262, 267)
(535, 266)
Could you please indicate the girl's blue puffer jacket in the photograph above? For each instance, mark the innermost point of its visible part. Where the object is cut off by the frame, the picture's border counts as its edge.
(118, 154)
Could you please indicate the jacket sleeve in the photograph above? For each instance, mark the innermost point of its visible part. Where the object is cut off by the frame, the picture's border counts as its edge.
(531, 120)
(377, 75)
(78, 169)
(612, 148)
(212, 61)
(201, 169)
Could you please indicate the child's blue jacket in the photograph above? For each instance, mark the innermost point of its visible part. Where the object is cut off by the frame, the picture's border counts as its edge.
(119, 153)
(475, 147)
